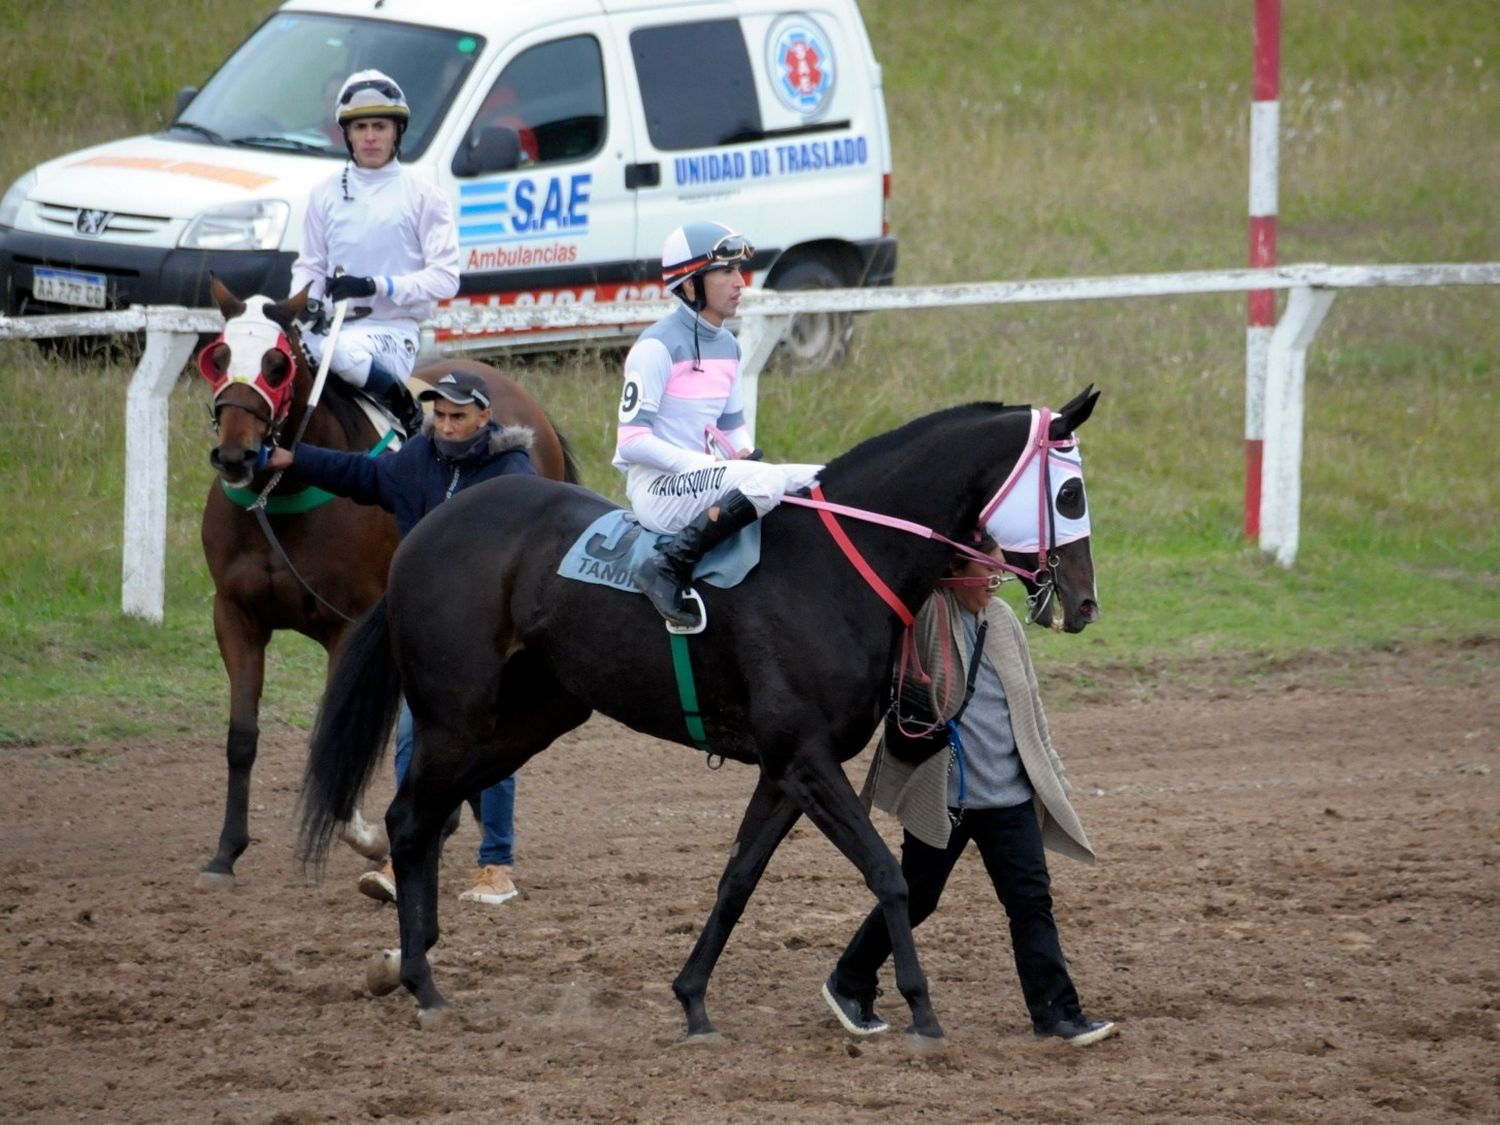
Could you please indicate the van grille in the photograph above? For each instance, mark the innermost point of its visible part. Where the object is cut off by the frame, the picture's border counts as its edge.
(64, 220)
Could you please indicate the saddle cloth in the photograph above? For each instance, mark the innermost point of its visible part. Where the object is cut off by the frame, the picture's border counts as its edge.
(615, 544)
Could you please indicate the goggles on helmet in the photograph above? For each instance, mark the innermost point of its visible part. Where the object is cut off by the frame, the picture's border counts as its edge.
(731, 248)
(379, 85)
(724, 253)
(372, 95)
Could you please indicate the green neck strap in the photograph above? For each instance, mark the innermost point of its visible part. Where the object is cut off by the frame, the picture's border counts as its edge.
(303, 500)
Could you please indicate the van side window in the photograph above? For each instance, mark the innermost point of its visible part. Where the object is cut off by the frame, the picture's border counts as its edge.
(552, 95)
(696, 84)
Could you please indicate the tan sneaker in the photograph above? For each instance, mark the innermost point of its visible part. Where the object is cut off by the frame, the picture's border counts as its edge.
(380, 884)
(492, 885)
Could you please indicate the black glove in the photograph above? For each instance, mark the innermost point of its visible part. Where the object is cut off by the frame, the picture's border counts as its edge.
(344, 286)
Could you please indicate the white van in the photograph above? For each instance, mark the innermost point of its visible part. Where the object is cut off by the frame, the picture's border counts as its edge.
(572, 134)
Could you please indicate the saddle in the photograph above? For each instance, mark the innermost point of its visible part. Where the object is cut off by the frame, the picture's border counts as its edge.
(611, 547)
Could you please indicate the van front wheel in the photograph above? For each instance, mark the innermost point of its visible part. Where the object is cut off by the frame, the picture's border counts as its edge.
(814, 341)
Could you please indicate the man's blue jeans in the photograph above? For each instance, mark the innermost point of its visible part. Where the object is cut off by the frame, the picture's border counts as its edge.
(497, 804)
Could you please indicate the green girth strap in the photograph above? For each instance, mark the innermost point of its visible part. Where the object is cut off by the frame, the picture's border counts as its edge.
(687, 694)
(303, 500)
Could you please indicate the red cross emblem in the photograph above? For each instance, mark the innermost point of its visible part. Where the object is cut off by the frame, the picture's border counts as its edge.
(802, 66)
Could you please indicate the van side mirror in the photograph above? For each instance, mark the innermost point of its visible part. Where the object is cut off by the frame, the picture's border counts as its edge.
(496, 149)
(185, 98)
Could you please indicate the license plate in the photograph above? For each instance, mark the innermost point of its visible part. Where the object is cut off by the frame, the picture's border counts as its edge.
(68, 287)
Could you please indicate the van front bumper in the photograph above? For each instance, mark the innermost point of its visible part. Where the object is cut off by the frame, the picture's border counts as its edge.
(135, 275)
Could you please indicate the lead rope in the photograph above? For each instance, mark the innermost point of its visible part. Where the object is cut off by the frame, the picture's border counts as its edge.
(955, 740)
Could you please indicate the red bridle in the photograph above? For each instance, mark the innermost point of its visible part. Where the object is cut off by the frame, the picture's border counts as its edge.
(278, 399)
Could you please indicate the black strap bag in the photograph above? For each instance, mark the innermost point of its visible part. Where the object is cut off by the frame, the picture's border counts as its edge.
(911, 711)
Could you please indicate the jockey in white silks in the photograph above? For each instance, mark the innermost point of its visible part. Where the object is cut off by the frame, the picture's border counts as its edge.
(682, 389)
(392, 232)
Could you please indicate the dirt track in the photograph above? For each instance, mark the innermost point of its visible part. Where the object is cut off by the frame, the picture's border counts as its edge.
(1295, 920)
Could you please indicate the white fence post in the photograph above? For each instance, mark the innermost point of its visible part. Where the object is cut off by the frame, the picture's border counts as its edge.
(1281, 466)
(144, 558)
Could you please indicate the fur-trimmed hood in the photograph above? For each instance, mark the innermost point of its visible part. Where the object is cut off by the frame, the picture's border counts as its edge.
(502, 437)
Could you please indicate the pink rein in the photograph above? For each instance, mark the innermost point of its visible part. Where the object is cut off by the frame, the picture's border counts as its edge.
(1038, 443)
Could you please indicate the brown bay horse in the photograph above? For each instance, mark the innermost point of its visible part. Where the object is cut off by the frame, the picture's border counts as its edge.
(329, 562)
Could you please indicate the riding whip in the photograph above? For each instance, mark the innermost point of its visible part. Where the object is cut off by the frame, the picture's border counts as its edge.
(339, 308)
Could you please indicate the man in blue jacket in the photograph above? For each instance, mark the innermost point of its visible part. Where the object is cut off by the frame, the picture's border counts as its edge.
(459, 446)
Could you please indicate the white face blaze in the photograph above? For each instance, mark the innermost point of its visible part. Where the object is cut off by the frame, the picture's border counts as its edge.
(249, 336)
(1018, 521)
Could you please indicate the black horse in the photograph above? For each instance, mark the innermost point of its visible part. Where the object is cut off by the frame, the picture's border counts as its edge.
(792, 673)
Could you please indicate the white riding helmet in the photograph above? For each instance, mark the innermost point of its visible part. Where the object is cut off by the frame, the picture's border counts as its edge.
(370, 93)
(698, 248)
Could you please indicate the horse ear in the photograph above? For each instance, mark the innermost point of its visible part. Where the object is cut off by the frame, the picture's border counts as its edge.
(283, 313)
(230, 305)
(1074, 414)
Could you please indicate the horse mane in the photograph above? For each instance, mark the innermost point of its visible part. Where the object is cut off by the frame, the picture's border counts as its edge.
(338, 399)
(878, 449)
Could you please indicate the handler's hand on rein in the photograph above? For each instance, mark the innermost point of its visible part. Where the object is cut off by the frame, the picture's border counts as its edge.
(280, 459)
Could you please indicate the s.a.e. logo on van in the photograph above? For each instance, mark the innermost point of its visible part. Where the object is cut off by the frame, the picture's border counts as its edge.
(536, 211)
(800, 63)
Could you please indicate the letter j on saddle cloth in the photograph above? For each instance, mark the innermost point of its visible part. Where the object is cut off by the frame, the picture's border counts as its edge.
(615, 543)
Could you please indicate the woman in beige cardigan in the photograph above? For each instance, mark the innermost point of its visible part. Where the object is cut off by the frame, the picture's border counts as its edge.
(1001, 785)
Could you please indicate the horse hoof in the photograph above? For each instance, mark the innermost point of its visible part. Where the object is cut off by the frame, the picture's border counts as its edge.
(216, 880)
(431, 1019)
(383, 972)
(369, 840)
(702, 1039)
(923, 1044)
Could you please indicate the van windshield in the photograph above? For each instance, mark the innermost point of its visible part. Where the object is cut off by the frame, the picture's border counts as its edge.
(278, 90)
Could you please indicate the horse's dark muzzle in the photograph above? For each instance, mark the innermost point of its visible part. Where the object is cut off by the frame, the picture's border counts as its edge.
(235, 467)
(1086, 612)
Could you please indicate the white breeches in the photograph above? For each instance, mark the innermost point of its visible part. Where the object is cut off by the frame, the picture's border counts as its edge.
(362, 344)
(668, 502)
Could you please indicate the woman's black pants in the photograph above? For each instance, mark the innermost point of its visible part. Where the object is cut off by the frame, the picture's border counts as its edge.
(1010, 843)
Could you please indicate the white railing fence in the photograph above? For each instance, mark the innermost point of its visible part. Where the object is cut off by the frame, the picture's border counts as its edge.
(1274, 408)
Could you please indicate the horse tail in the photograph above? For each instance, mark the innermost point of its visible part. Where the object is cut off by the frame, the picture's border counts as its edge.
(348, 740)
(570, 463)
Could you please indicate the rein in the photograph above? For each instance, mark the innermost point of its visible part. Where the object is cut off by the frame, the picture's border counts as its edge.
(1038, 443)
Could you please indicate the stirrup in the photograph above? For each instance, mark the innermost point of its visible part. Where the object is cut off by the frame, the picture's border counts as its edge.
(690, 630)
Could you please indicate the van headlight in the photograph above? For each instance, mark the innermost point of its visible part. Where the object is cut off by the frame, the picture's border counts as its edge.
(238, 226)
(15, 195)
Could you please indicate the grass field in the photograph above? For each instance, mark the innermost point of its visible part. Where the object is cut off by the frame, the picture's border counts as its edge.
(1074, 138)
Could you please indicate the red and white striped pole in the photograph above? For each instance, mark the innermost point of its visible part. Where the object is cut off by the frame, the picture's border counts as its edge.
(1265, 115)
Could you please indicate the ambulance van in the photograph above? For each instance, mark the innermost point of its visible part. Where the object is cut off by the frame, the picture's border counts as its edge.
(572, 136)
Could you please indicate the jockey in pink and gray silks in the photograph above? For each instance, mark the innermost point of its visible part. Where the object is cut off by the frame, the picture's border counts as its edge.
(682, 380)
(393, 234)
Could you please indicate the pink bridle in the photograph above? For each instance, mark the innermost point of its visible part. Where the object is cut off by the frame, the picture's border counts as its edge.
(1038, 443)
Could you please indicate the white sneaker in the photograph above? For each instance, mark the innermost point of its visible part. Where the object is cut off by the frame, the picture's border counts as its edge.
(492, 885)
